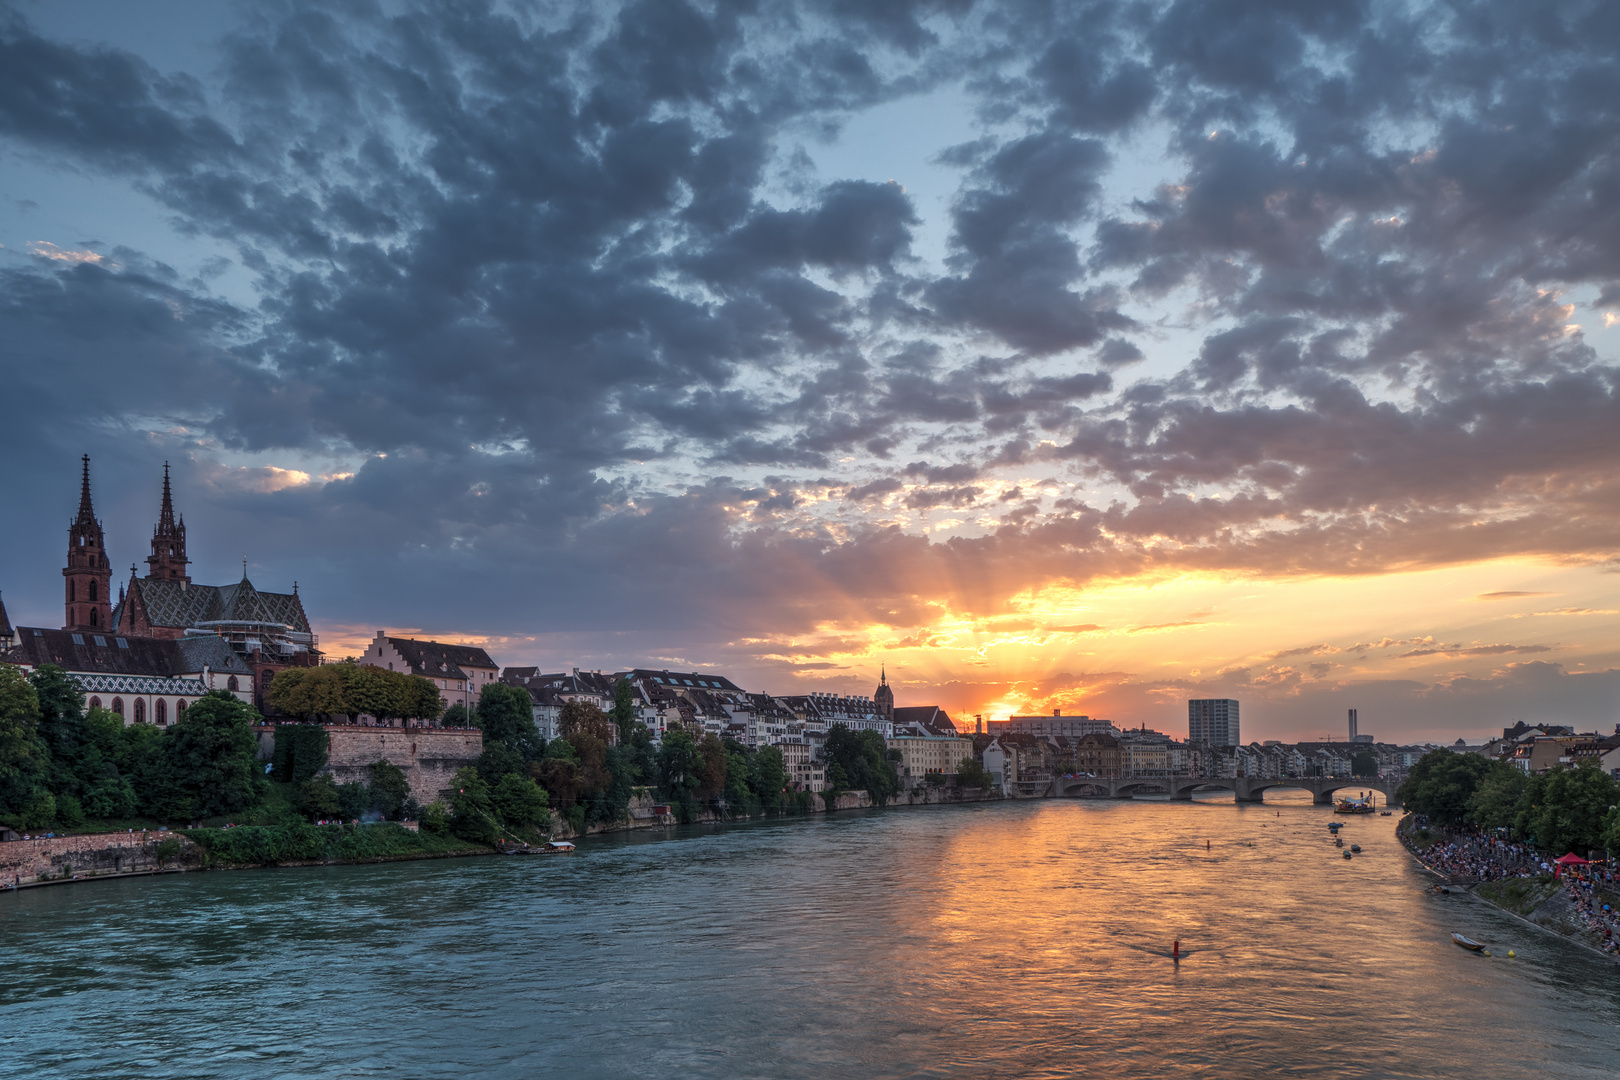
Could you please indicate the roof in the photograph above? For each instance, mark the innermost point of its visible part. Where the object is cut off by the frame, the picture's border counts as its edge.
(5, 623)
(109, 654)
(436, 658)
(682, 679)
(931, 718)
(178, 604)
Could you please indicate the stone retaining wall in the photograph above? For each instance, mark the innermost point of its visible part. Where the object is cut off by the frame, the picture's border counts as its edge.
(429, 757)
(64, 858)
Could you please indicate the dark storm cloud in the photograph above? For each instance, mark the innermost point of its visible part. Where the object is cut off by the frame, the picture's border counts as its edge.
(527, 265)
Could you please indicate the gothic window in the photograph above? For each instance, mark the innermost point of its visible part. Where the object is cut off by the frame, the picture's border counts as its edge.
(230, 683)
(264, 680)
(95, 703)
(180, 708)
(118, 706)
(140, 711)
(93, 592)
(73, 593)
(95, 617)
(162, 712)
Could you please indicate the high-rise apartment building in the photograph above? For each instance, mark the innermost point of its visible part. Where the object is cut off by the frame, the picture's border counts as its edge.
(1352, 725)
(1213, 721)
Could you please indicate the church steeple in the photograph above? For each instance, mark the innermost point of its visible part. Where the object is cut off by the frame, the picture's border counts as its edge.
(883, 696)
(88, 574)
(168, 559)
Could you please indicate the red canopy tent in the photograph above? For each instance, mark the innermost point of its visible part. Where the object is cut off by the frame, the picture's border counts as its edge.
(1571, 859)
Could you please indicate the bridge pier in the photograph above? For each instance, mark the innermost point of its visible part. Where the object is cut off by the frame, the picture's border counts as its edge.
(1322, 798)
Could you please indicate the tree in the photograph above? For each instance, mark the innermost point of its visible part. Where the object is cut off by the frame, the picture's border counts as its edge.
(970, 772)
(309, 693)
(456, 716)
(506, 715)
(679, 764)
(389, 788)
(24, 758)
(318, 798)
(767, 775)
(861, 760)
(471, 813)
(712, 773)
(62, 728)
(424, 702)
(738, 771)
(624, 709)
(581, 717)
(1496, 802)
(207, 763)
(1364, 763)
(1564, 809)
(111, 766)
(1441, 785)
(520, 801)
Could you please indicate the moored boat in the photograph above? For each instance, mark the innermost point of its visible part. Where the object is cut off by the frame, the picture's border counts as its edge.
(1468, 943)
(1361, 804)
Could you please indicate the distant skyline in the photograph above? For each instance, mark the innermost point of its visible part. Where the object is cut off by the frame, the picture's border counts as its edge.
(1086, 356)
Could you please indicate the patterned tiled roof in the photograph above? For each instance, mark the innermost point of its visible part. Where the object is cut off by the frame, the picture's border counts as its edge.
(138, 684)
(86, 652)
(176, 604)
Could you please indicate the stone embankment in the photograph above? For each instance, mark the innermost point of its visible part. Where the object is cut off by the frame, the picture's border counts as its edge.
(49, 861)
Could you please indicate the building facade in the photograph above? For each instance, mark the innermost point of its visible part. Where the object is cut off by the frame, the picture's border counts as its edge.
(1213, 721)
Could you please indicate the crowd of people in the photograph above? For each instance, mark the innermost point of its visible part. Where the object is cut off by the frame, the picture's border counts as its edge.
(1480, 856)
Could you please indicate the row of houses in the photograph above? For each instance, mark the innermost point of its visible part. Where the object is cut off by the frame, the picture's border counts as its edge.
(1539, 748)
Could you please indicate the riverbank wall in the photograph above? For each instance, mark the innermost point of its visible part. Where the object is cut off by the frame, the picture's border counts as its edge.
(58, 859)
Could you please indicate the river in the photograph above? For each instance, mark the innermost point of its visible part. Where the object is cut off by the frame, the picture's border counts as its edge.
(1023, 939)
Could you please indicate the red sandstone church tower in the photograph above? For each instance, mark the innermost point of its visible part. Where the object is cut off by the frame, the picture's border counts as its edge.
(883, 697)
(87, 572)
(168, 559)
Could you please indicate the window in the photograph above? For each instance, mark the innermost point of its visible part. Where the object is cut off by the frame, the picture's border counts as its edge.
(92, 592)
(95, 617)
(78, 639)
(162, 712)
(101, 641)
(230, 683)
(179, 708)
(118, 706)
(140, 711)
(73, 592)
(95, 703)
(264, 680)
(122, 644)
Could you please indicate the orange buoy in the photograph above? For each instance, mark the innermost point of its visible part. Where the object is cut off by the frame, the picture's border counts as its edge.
(1175, 949)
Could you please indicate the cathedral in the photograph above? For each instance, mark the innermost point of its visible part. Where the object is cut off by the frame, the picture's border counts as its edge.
(268, 631)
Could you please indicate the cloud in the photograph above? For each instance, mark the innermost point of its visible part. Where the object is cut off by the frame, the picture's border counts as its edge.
(1508, 595)
(1477, 650)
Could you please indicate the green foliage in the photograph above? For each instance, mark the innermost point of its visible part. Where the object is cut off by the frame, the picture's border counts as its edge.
(520, 801)
(1495, 803)
(205, 763)
(583, 718)
(302, 842)
(389, 789)
(318, 798)
(970, 772)
(351, 690)
(1364, 763)
(471, 813)
(69, 811)
(457, 716)
(354, 801)
(497, 761)
(1566, 809)
(62, 727)
(300, 750)
(767, 774)
(506, 715)
(624, 709)
(166, 849)
(862, 762)
(435, 818)
(1442, 784)
(24, 758)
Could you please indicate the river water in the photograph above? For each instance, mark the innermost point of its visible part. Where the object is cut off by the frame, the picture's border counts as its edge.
(1008, 940)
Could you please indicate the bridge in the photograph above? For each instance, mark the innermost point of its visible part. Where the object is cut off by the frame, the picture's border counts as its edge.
(1247, 789)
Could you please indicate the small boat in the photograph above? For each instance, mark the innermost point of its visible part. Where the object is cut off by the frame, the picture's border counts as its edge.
(1468, 943)
(1356, 848)
(1335, 826)
(1338, 841)
(1348, 855)
(1385, 813)
(557, 847)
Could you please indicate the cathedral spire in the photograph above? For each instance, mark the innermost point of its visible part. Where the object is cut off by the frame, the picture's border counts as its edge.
(87, 573)
(168, 559)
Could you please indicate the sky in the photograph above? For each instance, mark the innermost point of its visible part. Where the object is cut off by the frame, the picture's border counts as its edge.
(1080, 356)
